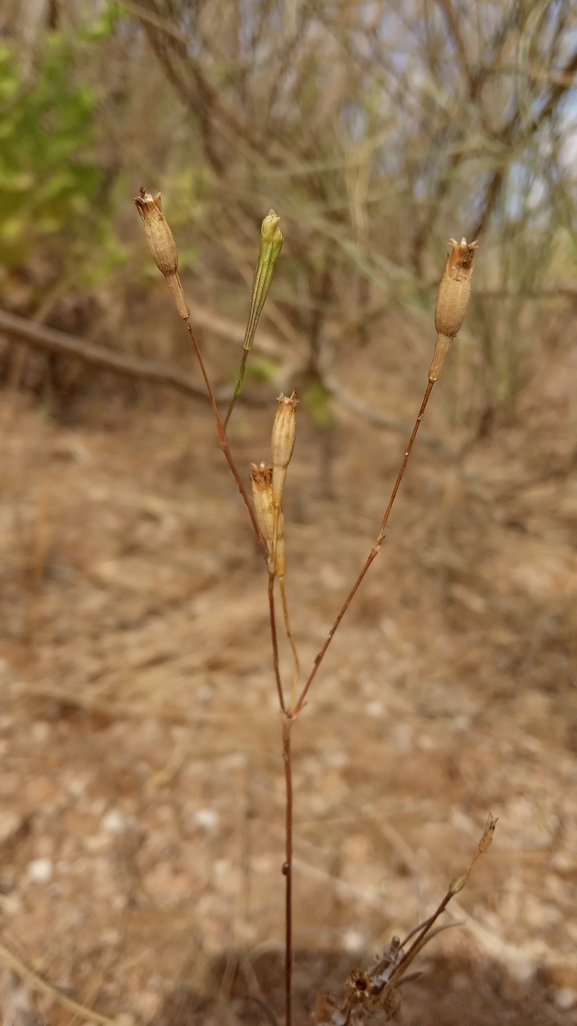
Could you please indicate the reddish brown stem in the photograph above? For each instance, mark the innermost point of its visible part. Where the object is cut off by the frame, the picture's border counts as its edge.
(288, 867)
(371, 556)
(223, 440)
(418, 943)
(274, 641)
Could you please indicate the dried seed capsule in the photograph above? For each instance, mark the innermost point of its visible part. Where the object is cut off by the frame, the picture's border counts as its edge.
(261, 481)
(358, 988)
(162, 245)
(282, 444)
(452, 300)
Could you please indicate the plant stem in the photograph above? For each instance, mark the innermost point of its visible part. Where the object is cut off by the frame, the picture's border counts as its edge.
(274, 642)
(295, 710)
(288, 630)
(287, 867)
(224, 442)
(238, 386)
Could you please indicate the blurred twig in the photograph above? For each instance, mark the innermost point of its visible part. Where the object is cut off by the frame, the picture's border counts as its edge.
(40, 985)
(60, 343)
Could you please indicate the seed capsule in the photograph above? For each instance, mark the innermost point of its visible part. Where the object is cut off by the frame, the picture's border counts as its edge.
(162, 245)
(270, 246)
(282, 444)
(452, 300)
(261, 481)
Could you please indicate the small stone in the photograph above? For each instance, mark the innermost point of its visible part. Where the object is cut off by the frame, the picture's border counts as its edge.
(114, 822)
(40, 870)
(207, 818)
(374, 709)
(353, 941)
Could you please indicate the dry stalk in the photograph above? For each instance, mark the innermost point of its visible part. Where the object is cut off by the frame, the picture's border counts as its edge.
(365, 993)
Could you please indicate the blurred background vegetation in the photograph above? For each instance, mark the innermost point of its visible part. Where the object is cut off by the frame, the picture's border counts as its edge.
(375, 130)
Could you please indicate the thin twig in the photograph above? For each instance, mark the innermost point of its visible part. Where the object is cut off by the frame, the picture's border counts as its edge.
(237, 387)
(419, 941)
(224, 443)
(40, 985)
(295, 710)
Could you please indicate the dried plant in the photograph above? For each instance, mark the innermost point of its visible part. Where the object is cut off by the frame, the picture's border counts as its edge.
(374, 992)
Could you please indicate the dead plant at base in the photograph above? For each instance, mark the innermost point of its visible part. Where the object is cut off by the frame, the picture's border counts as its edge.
(372, 994)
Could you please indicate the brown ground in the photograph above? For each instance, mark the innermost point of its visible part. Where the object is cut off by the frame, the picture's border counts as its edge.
(140, 788)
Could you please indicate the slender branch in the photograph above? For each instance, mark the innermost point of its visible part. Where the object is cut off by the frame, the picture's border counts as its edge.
(41, 986)
(224, 442)
(237, 387)
(295, 710)
(287, 866)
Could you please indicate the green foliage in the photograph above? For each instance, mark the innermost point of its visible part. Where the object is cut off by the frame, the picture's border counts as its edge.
(103, 26)
(51, 187)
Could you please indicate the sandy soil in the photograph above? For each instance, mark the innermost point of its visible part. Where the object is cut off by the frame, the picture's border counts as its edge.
(141, 794)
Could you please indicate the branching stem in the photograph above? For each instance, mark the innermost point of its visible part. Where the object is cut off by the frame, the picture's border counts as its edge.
(290, 714)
